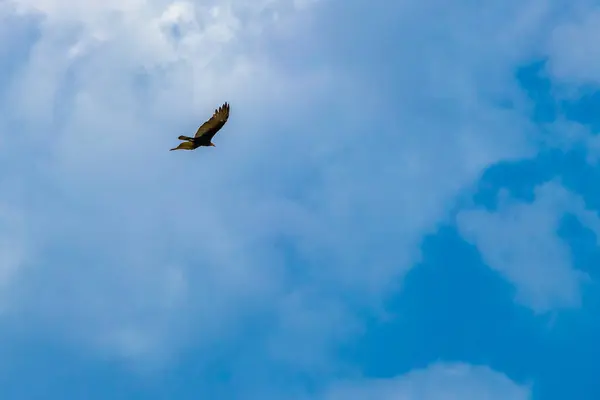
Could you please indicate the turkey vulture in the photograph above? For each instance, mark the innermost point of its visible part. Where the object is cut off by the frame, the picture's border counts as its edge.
(207, 130)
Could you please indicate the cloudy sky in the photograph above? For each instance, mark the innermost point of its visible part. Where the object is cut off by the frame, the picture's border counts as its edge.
(403, 204)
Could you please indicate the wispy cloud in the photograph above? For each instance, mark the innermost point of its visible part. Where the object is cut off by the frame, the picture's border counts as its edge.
(436, 382)
(521, 241)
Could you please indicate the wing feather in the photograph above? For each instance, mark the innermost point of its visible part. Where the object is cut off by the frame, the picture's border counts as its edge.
(208, 129)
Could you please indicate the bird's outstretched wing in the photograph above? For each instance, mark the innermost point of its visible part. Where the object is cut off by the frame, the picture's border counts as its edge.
(211, 127)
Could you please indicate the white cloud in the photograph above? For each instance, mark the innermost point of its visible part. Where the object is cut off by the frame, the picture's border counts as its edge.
(436, 382)
(129, 253)
(573, 54)
(520, 241)
(573, 66)
(140, 250)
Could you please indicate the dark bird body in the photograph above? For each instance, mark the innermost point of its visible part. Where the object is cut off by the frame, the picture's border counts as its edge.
(207, 130)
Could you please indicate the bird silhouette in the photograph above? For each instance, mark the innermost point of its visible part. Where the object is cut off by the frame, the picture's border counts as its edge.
(206, 131)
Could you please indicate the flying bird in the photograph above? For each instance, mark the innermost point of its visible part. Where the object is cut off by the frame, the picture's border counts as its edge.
(207, 130)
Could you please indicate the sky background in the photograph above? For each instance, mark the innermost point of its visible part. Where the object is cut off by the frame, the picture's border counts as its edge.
(403, 204)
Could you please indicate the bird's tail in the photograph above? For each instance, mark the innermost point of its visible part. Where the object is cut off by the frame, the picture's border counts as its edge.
(185, 138)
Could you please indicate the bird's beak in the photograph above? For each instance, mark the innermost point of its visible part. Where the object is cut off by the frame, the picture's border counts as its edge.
(213, 145)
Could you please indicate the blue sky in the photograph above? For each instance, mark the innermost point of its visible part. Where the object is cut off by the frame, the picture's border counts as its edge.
(403, 205)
